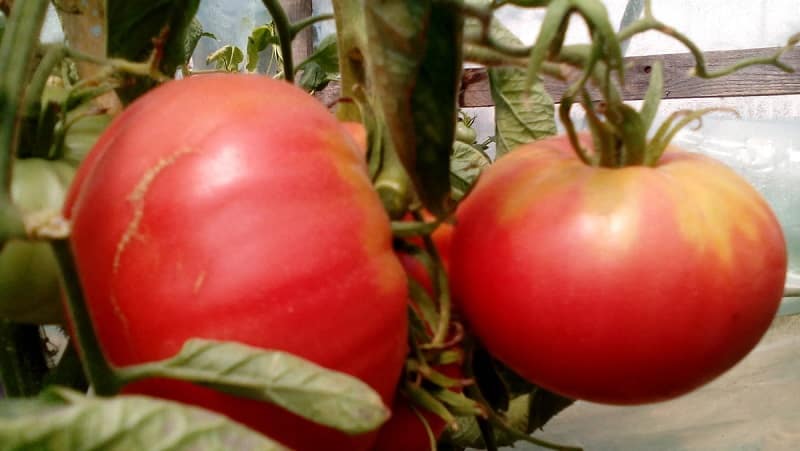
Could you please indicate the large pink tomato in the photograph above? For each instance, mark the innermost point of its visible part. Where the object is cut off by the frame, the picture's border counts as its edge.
(620, 286)
(237, 208)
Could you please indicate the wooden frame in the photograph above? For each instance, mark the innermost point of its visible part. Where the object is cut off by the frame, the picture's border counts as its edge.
(678, 81)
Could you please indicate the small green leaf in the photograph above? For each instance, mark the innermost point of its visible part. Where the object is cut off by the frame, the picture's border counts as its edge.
(227, 58)
(520, 117)
(321, 67)
(193, 35)
(65, 420)
(325, 55)
(259, 40)
(466, 165)
(321, 395)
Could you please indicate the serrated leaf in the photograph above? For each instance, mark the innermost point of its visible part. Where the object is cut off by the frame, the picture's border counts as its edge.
(227, 58)
(259, 40)
(414, 67)
(321, 395)
(466, 165)
(65, 420)
(520, 116)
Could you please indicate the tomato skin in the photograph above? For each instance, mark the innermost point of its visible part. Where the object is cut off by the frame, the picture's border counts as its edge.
(236, 208)
(619, 286)
(29, 275)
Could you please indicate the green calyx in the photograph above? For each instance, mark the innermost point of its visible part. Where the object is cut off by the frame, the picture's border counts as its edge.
(596, 73)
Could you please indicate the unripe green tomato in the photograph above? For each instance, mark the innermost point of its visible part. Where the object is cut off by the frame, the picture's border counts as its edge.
(29, 286)
(465, 133)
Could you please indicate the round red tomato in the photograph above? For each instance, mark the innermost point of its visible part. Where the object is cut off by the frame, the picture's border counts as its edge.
(620, 286)
(237, 208)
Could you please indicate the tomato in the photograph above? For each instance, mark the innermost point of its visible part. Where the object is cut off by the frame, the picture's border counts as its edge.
(29, 277)
(357, 131)
(235, 207)
(619, 286)
(405, 430)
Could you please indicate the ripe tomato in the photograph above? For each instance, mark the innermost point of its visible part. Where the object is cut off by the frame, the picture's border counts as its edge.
(619, 286)
(29, 286)
(357, 131)
(237, 208)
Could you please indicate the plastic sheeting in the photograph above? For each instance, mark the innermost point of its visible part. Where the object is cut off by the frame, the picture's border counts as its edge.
(755, 406)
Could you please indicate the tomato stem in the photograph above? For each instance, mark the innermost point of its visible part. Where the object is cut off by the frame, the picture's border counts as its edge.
(285, 35)
(17, 50)
(101, 374)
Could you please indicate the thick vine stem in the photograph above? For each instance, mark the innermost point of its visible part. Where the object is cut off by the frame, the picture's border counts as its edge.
(17, 50)
(351, 42)
(285, 34)
(302, 24)
(99, 371)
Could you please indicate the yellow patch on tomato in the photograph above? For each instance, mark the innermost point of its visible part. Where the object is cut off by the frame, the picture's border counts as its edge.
(714, 207)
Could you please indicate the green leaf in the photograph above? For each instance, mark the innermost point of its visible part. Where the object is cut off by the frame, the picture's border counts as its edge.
(325, 55)
(259, 40)
(321, 67)
(414, 67)
(134, 26)
(488, 379)
(465, 166)
(321, 395)
(65, 420)
(194, 32)
(227, 58)
(519, 117)
(544, 405)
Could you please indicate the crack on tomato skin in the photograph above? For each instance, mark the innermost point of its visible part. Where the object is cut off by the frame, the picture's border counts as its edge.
(198, 283)
(136, 197)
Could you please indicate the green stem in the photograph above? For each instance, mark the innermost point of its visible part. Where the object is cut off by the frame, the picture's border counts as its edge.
(22, 362)
(285, 35)
(17, 50)
(101, 374)
(300, 25)
(351, 37)
(649, 23)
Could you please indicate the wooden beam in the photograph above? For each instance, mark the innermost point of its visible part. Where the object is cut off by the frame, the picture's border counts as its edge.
(678, 83)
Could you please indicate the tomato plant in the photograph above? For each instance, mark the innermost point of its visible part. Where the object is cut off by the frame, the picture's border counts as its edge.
(227, 243)
(624, 285)
(236, 207)
(29, 290)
